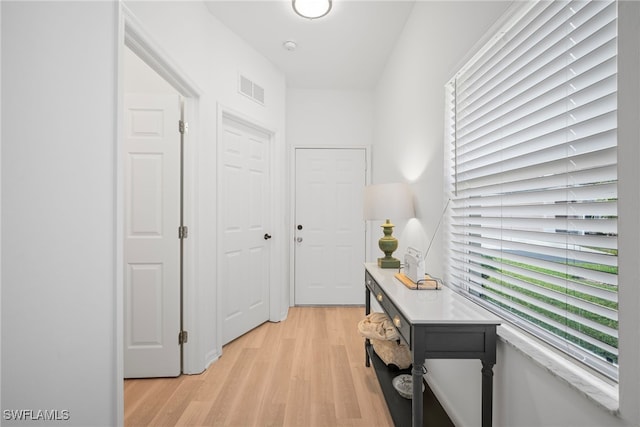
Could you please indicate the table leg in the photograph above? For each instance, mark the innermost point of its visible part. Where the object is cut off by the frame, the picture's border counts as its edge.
(367, 310)
(416, 402)
(367, 360)
(487, 393)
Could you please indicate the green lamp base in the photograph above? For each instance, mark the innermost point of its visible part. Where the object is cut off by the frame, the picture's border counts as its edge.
(388, 262)
(388, 244)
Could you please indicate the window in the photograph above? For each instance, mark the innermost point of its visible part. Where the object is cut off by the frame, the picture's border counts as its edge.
(531, 174)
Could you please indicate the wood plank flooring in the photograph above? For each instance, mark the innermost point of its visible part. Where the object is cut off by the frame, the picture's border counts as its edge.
(305, 371)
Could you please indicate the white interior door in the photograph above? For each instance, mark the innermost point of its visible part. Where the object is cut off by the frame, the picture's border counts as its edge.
(244, 214)
(330, 230)
(151, 245)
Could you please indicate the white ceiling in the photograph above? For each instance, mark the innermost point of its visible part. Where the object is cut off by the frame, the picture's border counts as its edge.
(347, 49)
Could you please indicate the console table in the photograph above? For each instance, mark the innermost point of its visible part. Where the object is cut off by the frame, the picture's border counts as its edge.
(435, 324)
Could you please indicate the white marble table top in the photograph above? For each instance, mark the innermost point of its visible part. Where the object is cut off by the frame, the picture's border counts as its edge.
(442, 306)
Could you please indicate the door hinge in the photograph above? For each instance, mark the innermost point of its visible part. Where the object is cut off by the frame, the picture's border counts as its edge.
(183, 337)
(183, 232)
(183, 127)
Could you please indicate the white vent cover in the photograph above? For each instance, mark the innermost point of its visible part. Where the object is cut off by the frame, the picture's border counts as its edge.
(251, 89)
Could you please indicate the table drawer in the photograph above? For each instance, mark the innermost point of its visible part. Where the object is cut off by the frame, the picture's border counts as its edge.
(370, 283)
(398, 319)
(457, 341)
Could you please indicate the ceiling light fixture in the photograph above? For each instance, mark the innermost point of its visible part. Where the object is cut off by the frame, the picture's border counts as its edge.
(312, 9)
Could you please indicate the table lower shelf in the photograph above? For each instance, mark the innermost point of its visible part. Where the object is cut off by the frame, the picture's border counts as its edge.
(399, 407)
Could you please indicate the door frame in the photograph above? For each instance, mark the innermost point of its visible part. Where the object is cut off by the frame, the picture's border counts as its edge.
(292, 205)
(276, 311)
(132, 35)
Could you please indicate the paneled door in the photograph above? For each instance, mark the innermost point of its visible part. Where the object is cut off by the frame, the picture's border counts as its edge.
(151, 244)
(244, 209)
(329, 226)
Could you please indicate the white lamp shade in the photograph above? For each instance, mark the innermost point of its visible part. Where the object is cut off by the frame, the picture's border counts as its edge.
(387, 201)
(312, 9)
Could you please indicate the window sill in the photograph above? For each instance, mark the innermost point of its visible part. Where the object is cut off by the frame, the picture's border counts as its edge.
(596, 389)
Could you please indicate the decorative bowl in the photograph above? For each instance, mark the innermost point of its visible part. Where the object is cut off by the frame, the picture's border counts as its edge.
(404, 385)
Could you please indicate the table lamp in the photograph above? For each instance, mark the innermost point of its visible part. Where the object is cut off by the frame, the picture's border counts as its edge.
(385, 201)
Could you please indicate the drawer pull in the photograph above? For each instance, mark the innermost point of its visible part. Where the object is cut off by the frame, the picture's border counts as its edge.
(379, 297)
(396, 321)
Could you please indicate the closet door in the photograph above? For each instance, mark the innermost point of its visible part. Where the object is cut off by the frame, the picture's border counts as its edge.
(151, 244)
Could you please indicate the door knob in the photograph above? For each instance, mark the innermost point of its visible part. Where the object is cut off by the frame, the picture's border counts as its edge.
(298, 239)
(267, 236)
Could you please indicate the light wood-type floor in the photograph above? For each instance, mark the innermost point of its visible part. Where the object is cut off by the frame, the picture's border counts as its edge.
(306, 371)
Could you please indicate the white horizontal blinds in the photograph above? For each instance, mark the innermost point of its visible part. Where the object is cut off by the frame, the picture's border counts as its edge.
(533, 178)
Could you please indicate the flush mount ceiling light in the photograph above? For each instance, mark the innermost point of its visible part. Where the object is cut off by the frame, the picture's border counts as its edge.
(312, 9)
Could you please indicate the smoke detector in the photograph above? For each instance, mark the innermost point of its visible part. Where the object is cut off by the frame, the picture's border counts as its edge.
(290, 45)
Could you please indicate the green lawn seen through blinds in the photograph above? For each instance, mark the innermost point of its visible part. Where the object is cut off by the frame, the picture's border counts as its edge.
(501, 279)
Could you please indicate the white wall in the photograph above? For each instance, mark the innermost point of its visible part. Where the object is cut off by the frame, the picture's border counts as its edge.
(212, 57)
(409, 146)
(321, 118)
(58, 219)
(60, 67)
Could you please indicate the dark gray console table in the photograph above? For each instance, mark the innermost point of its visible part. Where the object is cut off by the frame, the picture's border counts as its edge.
(435, 324)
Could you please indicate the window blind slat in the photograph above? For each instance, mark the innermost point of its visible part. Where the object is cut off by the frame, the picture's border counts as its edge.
(547, 210)
(598, 182)
(546, 258)
(517, 169)
(539, 58)
(545, 225)
(492, 258)
(516, 44)
(511, 118)
(555, 302)
(535, 251)
(551, 133)
(557, 325)
(605, 242)
(548, 84)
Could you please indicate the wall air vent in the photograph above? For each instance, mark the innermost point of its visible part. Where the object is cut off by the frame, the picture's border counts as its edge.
(251, 89)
